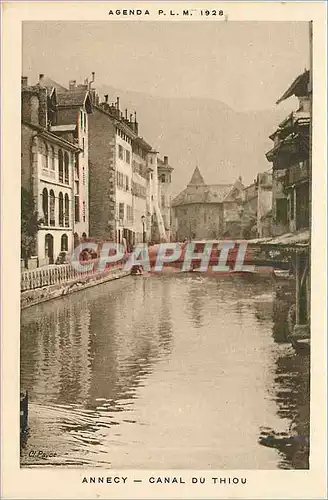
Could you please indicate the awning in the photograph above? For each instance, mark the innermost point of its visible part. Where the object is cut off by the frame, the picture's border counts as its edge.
(300, 239)
(299, 87)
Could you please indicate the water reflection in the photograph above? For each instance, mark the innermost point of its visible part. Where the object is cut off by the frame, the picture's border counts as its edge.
(292, 391)
(179, 371)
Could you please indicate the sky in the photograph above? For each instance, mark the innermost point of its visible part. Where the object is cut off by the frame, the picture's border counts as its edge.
(246, 65)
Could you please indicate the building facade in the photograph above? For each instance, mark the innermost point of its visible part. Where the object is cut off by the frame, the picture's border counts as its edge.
(203, 211)
(141, 179)
(164, 171)
(89, 171)
(74, 107)
(264, 204)
(291, 191)
(48, 162)
(290, 157)
(123, 187)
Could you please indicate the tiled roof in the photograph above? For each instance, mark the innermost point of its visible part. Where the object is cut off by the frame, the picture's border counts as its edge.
(300, 238)
(299, 87)
(72, 98)
(197, 178)
(49, 83)
(202, 194)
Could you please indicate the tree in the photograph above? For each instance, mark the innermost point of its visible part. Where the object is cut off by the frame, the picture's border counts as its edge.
(30, 225)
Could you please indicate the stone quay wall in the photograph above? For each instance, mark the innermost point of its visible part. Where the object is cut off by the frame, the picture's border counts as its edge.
(43, 284)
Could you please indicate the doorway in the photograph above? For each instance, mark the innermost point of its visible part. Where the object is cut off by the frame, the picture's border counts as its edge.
(49, 247)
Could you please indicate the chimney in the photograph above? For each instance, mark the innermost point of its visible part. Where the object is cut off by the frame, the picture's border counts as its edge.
(92, 79)
(135, 124)
(166, 160)
(41, 78)
(24, 81)
(131, 118)
(117, 103)
(43, 107)
(106, 97)
(72, 84)
(126, 114)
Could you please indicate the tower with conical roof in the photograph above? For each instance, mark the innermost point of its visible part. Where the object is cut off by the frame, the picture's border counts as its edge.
(204, 211)
(196, 178)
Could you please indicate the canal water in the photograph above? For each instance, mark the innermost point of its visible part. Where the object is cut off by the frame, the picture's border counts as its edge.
(165, 371)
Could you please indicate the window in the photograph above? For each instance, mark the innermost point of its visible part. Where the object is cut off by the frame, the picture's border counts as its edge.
(163, 178)
(83, 146)
(77, 208)
(66, 168)
(281, 210)
(291, 204)
(83, 176)
(64, 243)
(66, 210)
(61, 209)
(76, 240)
(52, 208)
(127, 157)
(49, 247)
(120, 152)
(52, 159)
(163, 200)
(76, 167)
(121, 211)
(45, 152)
(81, 118)
(129, 213)
(83, 213)
(84, 122)
(60, 166)
(45, 206)
(127, 185)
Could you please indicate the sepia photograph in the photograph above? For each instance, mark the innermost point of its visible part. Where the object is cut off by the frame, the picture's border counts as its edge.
(186, 149)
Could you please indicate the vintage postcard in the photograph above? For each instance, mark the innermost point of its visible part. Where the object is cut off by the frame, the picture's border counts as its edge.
(163, 250)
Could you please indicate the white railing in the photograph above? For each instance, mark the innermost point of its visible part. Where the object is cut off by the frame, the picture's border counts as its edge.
(60, 274)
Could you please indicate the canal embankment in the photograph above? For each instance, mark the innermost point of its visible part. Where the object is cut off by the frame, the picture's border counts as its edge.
(52, 282)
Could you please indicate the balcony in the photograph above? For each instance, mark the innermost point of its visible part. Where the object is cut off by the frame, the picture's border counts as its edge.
(50, 174)
(297, 173)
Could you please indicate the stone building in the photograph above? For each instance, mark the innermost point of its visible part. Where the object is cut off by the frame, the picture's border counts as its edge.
(164, 193)
(141, 189)
(203, 211)
(264, 204)
(112, 190)
(291, 195)
(290, 158)
(74, 107)
(123, 183)
(249, 211)
(48, 161)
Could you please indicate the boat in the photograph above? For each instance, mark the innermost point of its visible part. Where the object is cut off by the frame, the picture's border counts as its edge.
(243, 273)
(137, 270)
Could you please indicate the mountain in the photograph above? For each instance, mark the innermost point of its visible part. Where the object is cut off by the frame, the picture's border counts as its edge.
(224, 143)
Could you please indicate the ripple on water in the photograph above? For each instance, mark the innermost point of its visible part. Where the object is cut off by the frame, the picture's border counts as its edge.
(172, 371)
